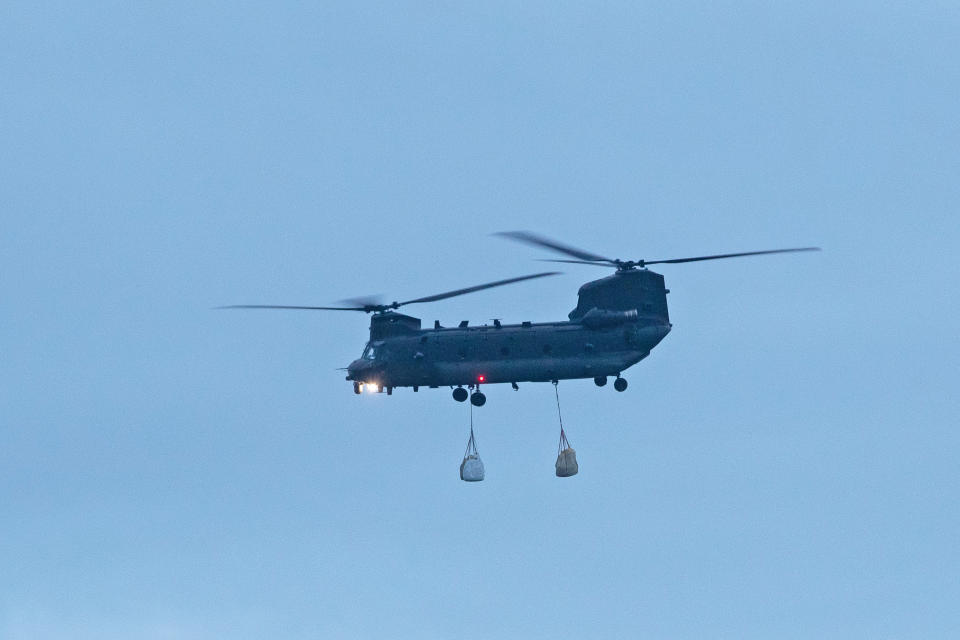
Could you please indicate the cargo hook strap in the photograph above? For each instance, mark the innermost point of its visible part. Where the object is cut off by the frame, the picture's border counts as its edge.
(563, 436)
(472, 442)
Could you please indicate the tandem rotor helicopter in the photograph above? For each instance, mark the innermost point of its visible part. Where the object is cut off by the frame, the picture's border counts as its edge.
(617, 321)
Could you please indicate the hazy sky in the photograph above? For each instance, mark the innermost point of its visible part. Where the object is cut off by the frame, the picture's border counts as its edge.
(784, 464)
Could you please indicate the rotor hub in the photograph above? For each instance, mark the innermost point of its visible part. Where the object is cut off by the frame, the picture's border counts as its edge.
(628, 265)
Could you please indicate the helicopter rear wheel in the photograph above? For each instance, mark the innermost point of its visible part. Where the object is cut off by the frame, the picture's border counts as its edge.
(478, 399)
(459, 394)
(600, 381)
(620, 384)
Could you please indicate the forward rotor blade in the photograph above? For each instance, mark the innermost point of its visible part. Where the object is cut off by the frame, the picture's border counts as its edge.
(540, 241)
(729, 255)
(277, 306)
(489, 285)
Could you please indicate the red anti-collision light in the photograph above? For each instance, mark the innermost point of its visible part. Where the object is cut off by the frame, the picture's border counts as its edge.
(480, 378)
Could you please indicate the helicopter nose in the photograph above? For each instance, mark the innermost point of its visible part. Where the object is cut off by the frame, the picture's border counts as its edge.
(353, 369)
(361, 370)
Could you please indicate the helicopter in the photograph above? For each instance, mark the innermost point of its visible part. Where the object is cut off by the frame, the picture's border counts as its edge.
(618, 320)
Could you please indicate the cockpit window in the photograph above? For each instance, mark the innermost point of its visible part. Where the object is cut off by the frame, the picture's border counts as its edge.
(370, 353)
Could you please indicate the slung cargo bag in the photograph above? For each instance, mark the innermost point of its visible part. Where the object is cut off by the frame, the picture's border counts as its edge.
(471, 469)
(566, 458)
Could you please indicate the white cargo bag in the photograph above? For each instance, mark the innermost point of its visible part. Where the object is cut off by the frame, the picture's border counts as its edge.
(566, 458)
(567, 463)
(471, 469)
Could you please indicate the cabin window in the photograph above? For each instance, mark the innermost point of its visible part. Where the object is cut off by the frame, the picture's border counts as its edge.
(462, 353)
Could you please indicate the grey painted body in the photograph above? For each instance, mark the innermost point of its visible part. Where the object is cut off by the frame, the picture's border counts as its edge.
(617, 321)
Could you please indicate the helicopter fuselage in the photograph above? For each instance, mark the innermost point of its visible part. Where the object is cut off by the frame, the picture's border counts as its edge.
(527, 352)
(618, 320)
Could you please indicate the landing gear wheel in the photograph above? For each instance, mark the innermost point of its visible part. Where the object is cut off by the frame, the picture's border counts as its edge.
(620, 384)
(600, 381)
(356, 387)
(459, 394)
(478, 399)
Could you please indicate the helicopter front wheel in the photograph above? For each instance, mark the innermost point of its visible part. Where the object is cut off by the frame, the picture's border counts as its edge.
(459, 394)
(620, 384)
(478, 399)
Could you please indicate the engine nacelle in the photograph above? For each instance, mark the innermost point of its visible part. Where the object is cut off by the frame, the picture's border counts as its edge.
(600, 318)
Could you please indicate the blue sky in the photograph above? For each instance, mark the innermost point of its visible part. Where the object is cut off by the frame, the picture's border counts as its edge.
(783, 465)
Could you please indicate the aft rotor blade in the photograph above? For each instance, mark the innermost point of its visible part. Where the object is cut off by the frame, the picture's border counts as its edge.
(277, 306)
(479, 287)
(594, 264)
(364, 302)
(540, 241)
(729, 255)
